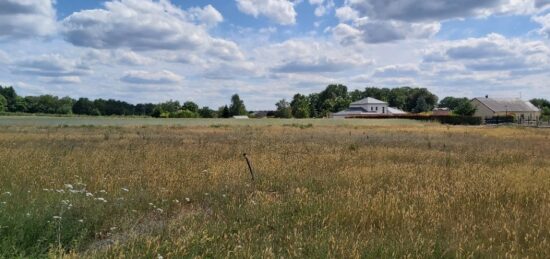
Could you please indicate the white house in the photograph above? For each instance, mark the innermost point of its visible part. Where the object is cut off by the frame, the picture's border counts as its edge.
(368, 107)
(490, 107)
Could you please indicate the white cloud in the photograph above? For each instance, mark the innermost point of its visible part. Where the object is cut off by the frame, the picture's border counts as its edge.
(347, 14)
(399, 71)
(377, 31)
(64, 80)
(544, 21)
(308, 56)
(51, 65)
(148, 77)
(135, 24)
(323, 7)
(279, 11)
(26, 18)
(207, 15)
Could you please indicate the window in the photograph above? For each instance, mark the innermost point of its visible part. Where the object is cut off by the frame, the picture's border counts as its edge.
(383, 109)
(371, 108)
(376, 108)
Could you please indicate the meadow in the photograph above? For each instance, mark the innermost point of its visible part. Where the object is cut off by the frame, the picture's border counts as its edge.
(323, 189)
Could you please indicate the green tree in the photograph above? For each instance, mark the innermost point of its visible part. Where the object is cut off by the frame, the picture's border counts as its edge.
(300, 106)
(465, 109)
(237, 106)
(3, 104)
(283, 109)
(190, 106)
(224, 112)
(452, 102)
(540, 103)
(206, 112)
(11, 97)
(20, 104)
(84, 106)
(421, 105)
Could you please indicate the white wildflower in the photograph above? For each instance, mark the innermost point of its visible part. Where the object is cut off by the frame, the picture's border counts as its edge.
(60, 191)
(151, 204)
(103, 191)
(160, 210)
(101, 199)
(56, 217)
(89, 194)
(125, 189)
(28, 214)
(7, 193)
(159, 256)
(176, 201)
(187, 200)
(68, 186)
(113, 228)
(81, 220)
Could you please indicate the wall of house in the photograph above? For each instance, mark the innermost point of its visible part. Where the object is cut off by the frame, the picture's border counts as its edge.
(375, 108)
(482, 110)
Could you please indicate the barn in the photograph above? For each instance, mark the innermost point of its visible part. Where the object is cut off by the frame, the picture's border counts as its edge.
(488, 108)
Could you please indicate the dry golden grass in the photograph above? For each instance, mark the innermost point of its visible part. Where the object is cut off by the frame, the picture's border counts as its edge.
(324, 191)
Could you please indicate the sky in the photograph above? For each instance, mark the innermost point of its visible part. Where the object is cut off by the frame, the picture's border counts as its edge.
(265, 50)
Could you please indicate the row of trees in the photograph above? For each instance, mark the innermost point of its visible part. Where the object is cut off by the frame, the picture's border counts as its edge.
(48, 104)
(336, 98)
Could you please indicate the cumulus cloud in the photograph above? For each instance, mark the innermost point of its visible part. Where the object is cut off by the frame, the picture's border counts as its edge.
(420, 10)
(279, 11)
(26, 18)
(544, 21)
(346, 14)
(148, 77)
(393, 71)
(51, 65)
(322, 7)
(139, 25)
(207, 15)
(65, 80)
(491, 53)
(378, 31)
(303, 56)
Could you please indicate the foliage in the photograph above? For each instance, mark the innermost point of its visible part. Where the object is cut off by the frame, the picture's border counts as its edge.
(283, 109)
(465, 109)
(237, 106)
(206, 112)
(300, 106)
(190, 106)
(11, 97)
(3, 104)
(452, 102)
(421, 105)
(223, 112)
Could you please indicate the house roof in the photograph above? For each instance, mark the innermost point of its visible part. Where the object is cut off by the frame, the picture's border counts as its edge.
(393, 110)
(507, 104)
(368, 100)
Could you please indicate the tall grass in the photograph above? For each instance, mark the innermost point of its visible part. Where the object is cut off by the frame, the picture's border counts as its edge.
(321, 191)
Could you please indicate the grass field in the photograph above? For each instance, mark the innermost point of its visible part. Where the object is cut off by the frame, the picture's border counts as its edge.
(343, 189)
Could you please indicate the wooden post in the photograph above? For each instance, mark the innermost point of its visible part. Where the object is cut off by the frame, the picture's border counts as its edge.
(249, 166)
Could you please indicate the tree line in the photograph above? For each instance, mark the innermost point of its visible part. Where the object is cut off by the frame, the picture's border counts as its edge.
(333, 98)
(49, 104)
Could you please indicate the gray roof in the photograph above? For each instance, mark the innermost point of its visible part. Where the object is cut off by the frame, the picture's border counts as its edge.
(510, 104)
(396, 111)
(368, 100)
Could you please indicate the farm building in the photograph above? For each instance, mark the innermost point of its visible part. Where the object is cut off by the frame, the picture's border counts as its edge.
(492, 107)
(368, 107)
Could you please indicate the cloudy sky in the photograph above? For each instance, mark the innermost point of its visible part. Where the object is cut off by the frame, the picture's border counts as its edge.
(265, 50)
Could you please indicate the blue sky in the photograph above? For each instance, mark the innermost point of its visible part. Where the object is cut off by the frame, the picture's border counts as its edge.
(265, 50)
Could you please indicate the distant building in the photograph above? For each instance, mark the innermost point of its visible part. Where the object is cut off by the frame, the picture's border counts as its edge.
(243, 117)
(368, 107)
(492, 107)
(441, 111)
